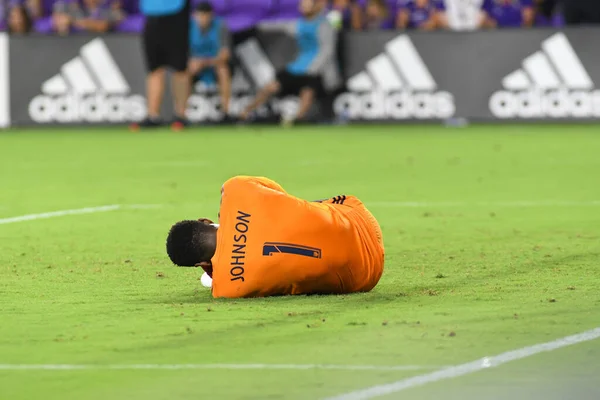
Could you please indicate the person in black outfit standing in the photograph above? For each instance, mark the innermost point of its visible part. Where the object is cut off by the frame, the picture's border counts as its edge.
(166, 45)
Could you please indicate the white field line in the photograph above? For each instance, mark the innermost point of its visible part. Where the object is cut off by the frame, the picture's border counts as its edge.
(75, 367)
(77, 211)
(515, 204)
(468, 368)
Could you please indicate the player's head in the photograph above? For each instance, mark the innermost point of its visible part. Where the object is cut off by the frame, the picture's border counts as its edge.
(204, 14)
(310, 8)
(191, 243)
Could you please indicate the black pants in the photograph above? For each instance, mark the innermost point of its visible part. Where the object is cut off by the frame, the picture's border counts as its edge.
(166, 40)
(581, 12)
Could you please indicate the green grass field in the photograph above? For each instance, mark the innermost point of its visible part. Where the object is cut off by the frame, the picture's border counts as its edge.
(492, 237)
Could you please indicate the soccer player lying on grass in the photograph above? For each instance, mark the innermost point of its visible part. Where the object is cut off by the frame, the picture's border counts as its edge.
(270, 243)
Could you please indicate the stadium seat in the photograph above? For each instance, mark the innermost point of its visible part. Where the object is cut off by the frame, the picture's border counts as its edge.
(131, 24)
(284, 10)
(245, 14)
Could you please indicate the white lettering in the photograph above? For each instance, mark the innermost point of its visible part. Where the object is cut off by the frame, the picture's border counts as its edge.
(396, 106)
(98, 108)
(541, 104)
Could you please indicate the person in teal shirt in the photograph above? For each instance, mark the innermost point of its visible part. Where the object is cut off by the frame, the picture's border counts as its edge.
(210, 52)
(316, 44)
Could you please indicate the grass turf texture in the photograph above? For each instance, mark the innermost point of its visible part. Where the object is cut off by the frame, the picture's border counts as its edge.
(472, 272)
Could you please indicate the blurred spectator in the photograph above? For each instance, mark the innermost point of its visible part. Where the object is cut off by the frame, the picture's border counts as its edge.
(462, 15)
(546, 13)
(316, 41)
(510, 13)
(578, 12)
(210, 44)
(351, 13)
(33, 7)
(62, 16)
(19, 21)
(419, 14)
(377, 15)
(93, 16)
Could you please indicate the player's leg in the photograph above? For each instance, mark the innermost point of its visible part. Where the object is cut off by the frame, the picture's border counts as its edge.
(196, 66)
(180, 79)
(261, 98)
(223, 73)
(307, 97)
(155, 87)
(178, 57)
(306, 87)
(155, 65)
(180, 83)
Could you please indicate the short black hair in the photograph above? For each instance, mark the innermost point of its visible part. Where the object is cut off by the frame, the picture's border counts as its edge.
(204, 7)
(190, 243)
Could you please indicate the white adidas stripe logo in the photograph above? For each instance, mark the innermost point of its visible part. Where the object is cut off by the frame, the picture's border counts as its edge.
(93, 71)
(400, 67)
(556, 66)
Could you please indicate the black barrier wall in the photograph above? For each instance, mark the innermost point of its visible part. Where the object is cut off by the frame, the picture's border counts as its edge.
(389, 76)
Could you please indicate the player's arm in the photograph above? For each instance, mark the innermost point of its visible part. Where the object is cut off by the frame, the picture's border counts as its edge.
(327, 39)
(225, 41)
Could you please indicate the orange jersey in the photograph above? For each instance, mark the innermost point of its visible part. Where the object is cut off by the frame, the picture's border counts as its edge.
(271, 243)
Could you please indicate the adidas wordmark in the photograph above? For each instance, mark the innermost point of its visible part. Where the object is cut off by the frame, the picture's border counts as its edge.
(551, 83)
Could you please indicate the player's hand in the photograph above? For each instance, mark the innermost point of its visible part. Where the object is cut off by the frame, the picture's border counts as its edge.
(206, 266)
(206, 221)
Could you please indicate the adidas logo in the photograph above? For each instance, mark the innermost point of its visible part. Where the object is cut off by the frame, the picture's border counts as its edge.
(90, 88)
(551, 83)
(395, 85)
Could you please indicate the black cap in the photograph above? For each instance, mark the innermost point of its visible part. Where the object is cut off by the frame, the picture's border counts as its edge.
(205, 7)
